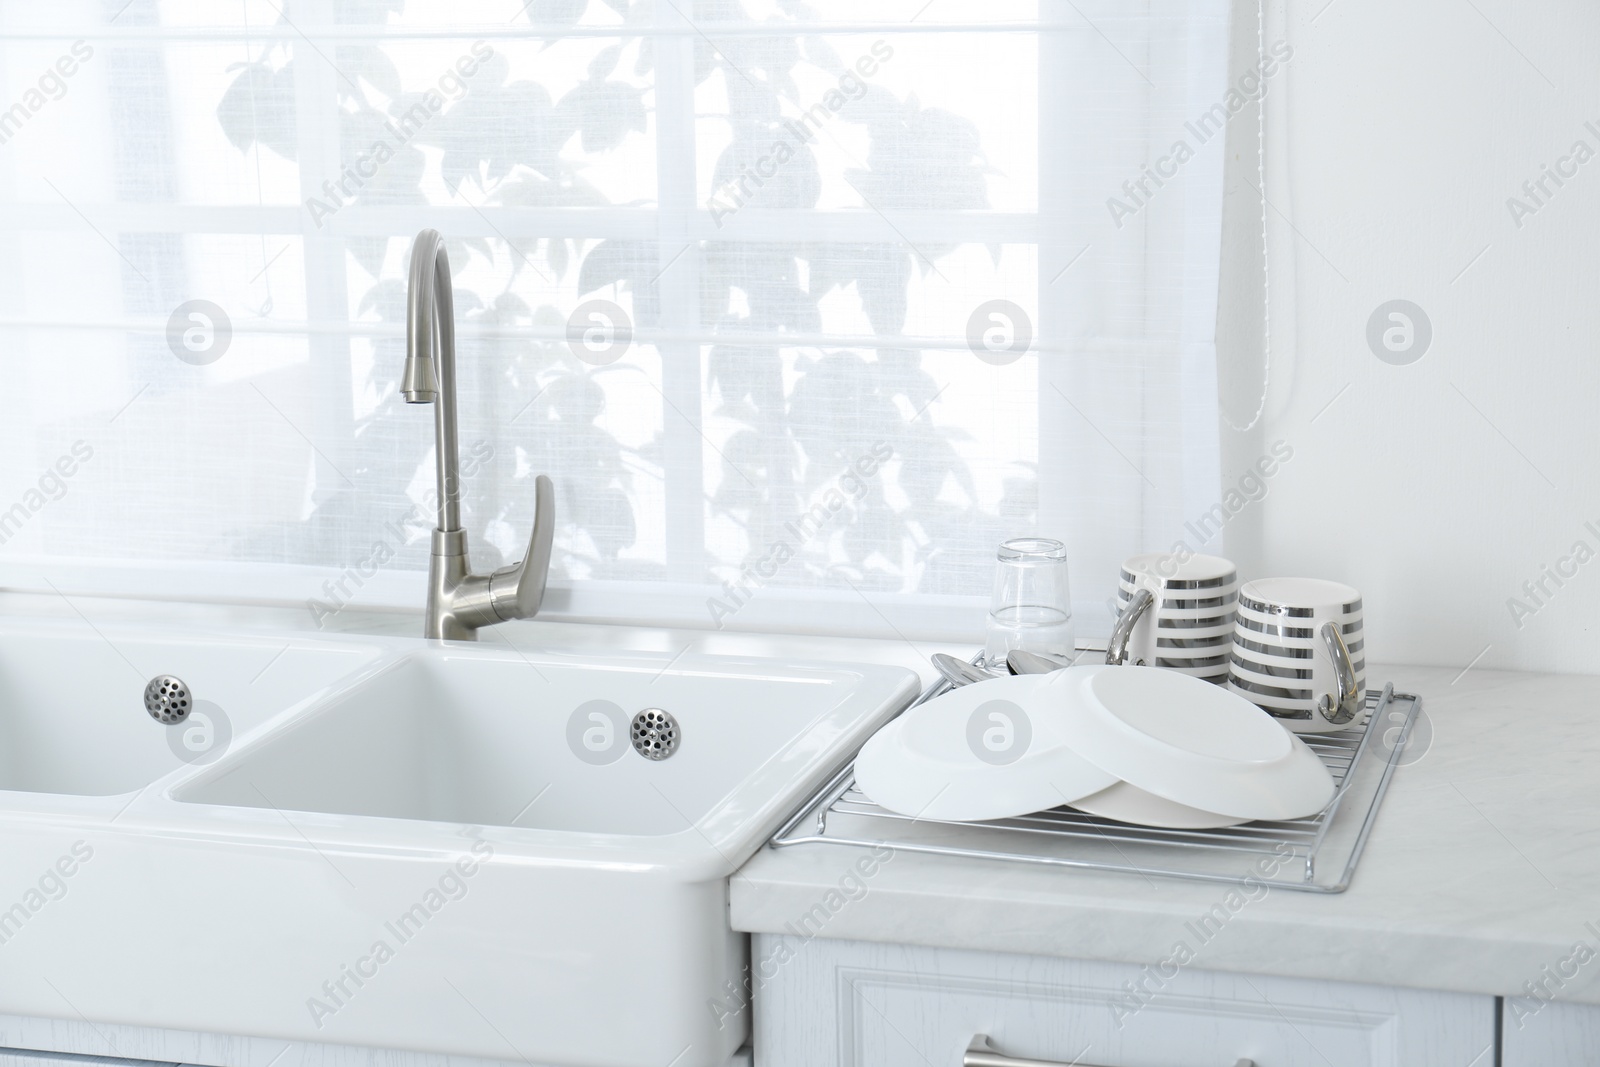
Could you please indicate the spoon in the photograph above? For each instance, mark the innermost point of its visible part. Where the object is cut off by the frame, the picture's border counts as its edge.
(955, 672)
(1020, 662)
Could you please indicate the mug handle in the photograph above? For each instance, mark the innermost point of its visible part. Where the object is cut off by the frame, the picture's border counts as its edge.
(1122, 633)
(1338, 709)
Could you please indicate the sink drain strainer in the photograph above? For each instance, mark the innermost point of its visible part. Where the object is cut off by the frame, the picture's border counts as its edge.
(655, 734)
(167, 699)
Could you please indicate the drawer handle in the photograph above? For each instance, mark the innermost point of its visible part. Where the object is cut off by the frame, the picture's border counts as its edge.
(980, 1053)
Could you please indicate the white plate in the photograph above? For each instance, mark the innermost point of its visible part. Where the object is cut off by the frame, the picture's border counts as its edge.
(1130, 804)
(1215, 679)
(927, 763)
(1192, 742)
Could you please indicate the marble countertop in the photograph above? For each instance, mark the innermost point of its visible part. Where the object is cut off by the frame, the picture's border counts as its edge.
(1482, 872)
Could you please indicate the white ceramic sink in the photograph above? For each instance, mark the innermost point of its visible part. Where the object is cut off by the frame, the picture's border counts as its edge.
(72, 718)
(443, 854)
(483, 738)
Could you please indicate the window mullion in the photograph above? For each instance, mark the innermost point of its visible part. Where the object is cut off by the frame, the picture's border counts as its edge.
(677, 286)
(316, 89)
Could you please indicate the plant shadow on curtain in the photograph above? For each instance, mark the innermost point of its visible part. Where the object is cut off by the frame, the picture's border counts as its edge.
(790, 224)
(798, 419)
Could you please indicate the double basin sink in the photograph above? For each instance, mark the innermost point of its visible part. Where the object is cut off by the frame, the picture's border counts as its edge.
(400, 843)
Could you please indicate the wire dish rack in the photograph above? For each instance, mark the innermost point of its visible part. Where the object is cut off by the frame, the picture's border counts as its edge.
(1316, 854)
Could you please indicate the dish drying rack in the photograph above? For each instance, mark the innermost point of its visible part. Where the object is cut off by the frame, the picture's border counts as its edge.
(1317, 854)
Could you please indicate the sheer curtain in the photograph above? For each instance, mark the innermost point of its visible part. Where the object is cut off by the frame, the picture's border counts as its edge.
(804, 306)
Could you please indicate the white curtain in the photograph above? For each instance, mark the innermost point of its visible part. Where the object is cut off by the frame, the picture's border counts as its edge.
(804, 306)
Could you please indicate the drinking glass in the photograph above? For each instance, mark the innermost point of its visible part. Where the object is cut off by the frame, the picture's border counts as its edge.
(1031, 608)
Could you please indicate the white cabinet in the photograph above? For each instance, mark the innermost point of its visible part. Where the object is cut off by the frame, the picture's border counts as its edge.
(1538, 1034)
(309, 1055)
(17, 1057)
(855, 1004)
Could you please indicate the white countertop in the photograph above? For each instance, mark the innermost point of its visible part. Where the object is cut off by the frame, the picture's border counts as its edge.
(1482, 870)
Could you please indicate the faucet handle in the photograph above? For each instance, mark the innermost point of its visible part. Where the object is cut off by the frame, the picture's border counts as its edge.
(516, 591)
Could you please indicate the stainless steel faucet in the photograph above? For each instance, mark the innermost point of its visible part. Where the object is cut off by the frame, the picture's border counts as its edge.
(459, 602)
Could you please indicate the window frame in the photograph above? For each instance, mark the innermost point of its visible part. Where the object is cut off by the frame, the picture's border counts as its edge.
(1068, 494)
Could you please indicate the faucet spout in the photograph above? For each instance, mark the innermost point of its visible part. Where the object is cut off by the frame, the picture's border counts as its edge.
(430, 370)
(460, 602)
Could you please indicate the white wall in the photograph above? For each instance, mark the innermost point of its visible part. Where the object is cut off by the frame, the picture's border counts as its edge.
(1395, 136)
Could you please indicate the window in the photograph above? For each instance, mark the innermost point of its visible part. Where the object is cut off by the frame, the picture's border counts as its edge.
(804, 306)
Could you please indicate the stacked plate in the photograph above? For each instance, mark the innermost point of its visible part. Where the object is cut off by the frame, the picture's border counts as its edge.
(983, 751)
(1188, 755)
(1193, 612)
(1279, 661)
(1135, 744)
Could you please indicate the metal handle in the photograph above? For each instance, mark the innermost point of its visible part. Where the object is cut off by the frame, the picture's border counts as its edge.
(516, 591)
(1338, 709)
(1122, 633)
(980, 1053)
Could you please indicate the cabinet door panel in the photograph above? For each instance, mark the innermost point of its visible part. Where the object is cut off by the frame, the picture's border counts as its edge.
(864, 1005)
(1538, 1034)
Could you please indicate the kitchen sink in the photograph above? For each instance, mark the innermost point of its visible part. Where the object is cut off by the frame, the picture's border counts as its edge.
(72, 716)
(496, 739)
(455, 849)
